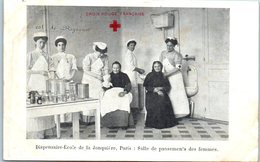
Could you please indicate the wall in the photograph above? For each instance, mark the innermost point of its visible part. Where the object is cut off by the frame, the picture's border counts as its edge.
(80, 30)
(203, 33)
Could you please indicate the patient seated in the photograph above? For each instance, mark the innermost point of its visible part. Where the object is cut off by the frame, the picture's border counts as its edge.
(115, 103)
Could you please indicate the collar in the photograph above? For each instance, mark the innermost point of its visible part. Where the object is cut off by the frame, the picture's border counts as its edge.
(112, 73)
(173, 51)
(129, 51)
(39, 50)
(62, 53)
(97, 54)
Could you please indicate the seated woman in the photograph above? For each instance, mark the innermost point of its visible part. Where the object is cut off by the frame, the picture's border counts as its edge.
(158, 105)
(115, 103)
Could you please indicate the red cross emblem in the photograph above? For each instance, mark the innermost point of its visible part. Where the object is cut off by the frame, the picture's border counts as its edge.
(115, 25)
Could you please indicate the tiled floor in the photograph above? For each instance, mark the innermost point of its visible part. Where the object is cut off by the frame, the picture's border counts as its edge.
(188, 129)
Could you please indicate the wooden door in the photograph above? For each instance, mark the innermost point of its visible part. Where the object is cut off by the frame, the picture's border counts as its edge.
(216, 61)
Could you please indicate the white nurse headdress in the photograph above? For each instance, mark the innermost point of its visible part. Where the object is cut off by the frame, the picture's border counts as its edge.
(38, 35)
(60, 39)
(100, 45)
(131, 41)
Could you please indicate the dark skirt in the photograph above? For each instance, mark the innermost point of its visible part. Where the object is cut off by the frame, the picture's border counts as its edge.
(159, 112)
(117, 119)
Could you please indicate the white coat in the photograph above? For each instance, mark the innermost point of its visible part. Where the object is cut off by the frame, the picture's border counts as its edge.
(37, 82)
(129, 63)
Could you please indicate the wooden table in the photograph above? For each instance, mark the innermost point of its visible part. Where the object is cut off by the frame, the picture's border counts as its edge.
(74, 107)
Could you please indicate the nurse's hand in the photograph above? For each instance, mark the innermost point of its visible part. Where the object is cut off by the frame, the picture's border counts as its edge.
(122, 94)
(100, 78)
(141, 71)
(160, 88)
(44, 73)
(160, 93)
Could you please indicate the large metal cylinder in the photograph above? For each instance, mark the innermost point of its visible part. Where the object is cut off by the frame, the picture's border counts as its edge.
(61, 87)
(83, 91)
(55, 86)
(51, 86)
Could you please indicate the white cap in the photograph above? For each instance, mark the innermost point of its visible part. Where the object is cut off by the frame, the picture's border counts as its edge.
(173, 38)
(60, 38)
(39, 35)
(130, 40)
(100, 45)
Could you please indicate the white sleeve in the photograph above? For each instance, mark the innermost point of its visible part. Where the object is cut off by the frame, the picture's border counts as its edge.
(129, 62)
(74, 63)
(29, 59)
(178, 61)
(86, 64)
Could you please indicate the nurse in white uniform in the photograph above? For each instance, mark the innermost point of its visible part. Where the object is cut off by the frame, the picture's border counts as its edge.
(172, 63)
(65, 66)
(37, 73)
(130, 67)
(95, 66)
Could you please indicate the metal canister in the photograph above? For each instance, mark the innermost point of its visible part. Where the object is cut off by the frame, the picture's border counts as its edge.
(67, 85)
(61, 89)
(59, 98)
(83, 91)
(51, 85)
(32, 97)
(45, 97)
(53, 98)
(73, 91)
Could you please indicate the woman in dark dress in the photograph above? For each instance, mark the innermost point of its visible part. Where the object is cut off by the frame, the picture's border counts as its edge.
(159, 109)
(115, 103)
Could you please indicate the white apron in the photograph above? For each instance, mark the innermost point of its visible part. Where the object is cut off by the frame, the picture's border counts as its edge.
(95, 85)
(63, 72)
(133, 78)
(63, 69)
(38, 82)
(177, 93)
(112, 102)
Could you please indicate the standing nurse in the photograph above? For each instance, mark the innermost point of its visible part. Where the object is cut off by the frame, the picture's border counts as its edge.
(37, 72)
(95, 66)
(172, 63)
(65, 66)
(129, 66)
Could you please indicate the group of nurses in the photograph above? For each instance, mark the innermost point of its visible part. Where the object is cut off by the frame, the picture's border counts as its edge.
(62, 63)
(95, 66)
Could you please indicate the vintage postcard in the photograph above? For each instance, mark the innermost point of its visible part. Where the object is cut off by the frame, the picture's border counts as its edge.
(134, 81)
